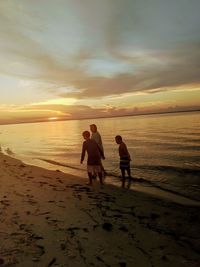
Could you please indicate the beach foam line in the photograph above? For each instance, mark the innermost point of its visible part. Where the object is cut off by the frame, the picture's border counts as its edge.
(59, 164)
(53, 162)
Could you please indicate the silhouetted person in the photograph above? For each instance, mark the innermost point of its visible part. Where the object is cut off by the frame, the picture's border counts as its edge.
(97, 138)
(124, 159)
(94, 157)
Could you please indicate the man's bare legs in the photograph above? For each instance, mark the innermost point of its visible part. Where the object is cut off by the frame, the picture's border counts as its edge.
(100, 177)
(90, 176)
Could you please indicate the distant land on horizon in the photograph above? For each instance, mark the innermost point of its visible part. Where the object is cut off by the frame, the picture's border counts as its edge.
(106, 117)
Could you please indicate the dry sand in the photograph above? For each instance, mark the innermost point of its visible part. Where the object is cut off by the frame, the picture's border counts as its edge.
(48, 218)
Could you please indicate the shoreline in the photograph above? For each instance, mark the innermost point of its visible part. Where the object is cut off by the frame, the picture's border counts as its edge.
(138, 184)
(50, 218)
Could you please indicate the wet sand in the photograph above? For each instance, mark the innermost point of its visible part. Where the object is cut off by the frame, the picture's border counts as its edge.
(49, 218)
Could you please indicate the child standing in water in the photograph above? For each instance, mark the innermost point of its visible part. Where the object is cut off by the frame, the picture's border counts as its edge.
(124, 159)
(97, 137)
(94, 157)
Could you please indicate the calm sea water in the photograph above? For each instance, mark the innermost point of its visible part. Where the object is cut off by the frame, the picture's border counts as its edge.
(165, 149)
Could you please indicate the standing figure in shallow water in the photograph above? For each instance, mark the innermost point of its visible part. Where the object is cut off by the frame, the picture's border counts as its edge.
(97, 138)
(94, 157)
(125, 159)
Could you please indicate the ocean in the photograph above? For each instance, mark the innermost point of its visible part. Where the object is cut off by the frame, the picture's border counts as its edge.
(164, 148)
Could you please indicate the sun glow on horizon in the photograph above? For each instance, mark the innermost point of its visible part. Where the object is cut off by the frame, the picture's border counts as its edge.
(131, 57)
(53, 118)
(56, 101)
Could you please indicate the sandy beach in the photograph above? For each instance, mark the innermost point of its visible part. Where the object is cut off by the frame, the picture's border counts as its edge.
(49, 218)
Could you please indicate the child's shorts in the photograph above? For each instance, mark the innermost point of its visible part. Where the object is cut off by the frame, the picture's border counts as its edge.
(124, 163)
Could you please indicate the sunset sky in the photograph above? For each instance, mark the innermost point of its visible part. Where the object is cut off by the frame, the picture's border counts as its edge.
(69, 59)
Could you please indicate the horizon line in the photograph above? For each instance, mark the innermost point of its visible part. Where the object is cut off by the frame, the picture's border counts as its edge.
(104, 117)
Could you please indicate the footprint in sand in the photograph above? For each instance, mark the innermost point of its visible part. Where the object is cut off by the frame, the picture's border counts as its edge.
(107, 226)
(30, 177)
(123, 228)
(59, 180)
(5, 202)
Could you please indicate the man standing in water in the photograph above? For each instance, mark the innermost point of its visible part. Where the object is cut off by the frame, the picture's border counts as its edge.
(97, 138)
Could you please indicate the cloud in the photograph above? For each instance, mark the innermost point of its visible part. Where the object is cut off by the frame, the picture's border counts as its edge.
(176, 68)
(157, 42)
(26, 57)
(67, 111)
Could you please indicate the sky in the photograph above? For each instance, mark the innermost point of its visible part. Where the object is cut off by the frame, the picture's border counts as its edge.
(74, 59)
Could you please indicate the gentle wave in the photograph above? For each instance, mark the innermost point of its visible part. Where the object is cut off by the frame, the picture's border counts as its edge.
(53, 162)
(180, 170)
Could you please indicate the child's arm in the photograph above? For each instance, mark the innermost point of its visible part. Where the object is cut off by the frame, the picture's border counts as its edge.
(83, 152)
(124, 151)
(127, 152)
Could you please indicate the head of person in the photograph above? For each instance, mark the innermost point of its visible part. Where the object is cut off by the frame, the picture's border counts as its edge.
(118, 139)
(86, 135)
(93, 128)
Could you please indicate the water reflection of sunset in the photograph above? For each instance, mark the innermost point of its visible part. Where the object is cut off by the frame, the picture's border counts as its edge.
(53, 118)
